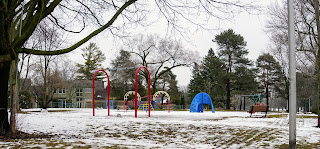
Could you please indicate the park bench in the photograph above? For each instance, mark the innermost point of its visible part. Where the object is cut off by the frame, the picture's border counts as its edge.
(258, 108)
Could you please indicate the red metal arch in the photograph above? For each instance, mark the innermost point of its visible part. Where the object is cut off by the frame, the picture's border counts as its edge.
(136, 86)
(93, 106)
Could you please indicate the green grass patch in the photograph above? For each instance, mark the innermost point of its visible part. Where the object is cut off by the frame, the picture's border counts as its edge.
(307, 116)
(299, 146)
(22, 112)
(277, 115)
(285, 115)
(59, 110)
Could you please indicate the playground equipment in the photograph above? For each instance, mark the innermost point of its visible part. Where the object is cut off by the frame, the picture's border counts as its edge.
(199, 100)
(157, 95)
(125, 102)
(93, 106)
(136, 89)
(144, 106)
(253, 100)
(111, 104)
(141, 104)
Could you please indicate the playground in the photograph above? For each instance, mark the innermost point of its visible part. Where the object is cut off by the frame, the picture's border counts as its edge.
(136, 128)
(77, 128)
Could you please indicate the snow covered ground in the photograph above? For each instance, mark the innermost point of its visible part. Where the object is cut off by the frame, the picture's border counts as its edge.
(77, 128)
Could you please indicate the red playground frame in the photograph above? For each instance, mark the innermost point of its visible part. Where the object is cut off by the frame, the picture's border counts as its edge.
(136, 90)
(93, 106)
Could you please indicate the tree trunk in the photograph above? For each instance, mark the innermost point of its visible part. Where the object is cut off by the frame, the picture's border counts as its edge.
(4, 78)
(228, 94)
(14, 96)
(244, 103)
(316, 4)
(267, 94)
(13, 108)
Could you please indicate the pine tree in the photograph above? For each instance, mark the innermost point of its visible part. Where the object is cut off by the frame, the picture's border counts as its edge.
(93, 57)
(232, 52)
(209, 77)
(196, 83)
(269, 73)
(245, 82)
(122, 79)
(173, 89)
(213, 73)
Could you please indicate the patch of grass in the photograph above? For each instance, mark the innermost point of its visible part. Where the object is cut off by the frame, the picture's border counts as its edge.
(271, 138)
(51, 111)
(307, 116)
(116, 135)
(50, 143)
(277, 115)
(130, 135)
(282, 146)
(217, 109)
(59, 110)
(82, 146)
(13, 137)
(115, 146)
(285, 115)
(22, 112)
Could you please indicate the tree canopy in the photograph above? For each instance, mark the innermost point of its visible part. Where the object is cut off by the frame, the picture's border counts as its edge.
(232, 52)
(209, 78)
(93, 57)
(270, 73)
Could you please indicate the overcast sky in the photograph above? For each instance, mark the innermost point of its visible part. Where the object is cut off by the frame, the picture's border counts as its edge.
(250, 26)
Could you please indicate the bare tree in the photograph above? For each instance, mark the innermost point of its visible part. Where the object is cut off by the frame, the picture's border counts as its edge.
(307, 34)
(159, 55)
(48, 39)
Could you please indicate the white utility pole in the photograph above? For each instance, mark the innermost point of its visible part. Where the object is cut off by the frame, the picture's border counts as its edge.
(292, 77)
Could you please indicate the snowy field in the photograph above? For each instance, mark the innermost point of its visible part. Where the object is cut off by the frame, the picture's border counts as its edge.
(77, 128)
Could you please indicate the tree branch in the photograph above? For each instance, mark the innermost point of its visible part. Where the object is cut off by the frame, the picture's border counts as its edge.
(73, 47)
(5, 58)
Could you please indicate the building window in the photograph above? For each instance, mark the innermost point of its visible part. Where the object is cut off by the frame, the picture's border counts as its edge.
(55, 91)
(62, 91)
(79, 92)
(78, 102)
(88, 90)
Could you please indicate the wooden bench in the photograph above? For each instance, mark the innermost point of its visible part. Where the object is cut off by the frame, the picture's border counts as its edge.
(258, 108)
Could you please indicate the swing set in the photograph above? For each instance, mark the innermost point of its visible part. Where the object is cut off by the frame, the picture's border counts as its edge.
(136, 92)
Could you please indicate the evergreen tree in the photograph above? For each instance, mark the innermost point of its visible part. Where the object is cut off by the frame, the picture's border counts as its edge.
(232, 52)
(245, 82)
(173, 89)
(209, 78)
(122, 79)
(213, 73)
(269, 73)
(196, 83)
(93, 57)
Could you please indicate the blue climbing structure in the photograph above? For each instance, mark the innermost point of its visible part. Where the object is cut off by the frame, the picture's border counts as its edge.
(199, 100)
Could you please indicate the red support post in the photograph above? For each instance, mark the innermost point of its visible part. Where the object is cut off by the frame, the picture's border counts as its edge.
(125, 106)
(169, 106)
(136, 89)
(93, 97)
